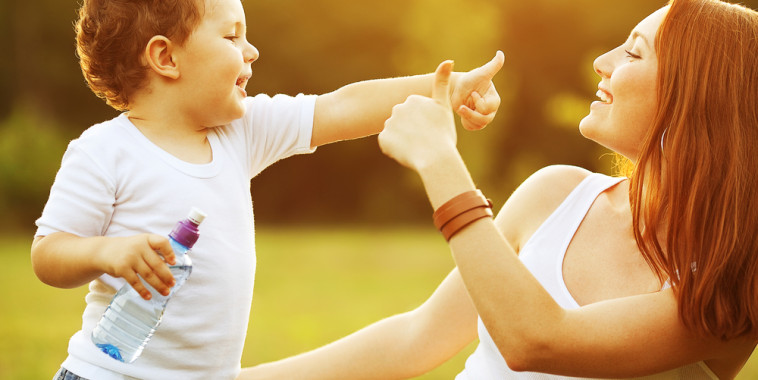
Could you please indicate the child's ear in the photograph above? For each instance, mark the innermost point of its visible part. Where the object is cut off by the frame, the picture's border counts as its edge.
(159, 55)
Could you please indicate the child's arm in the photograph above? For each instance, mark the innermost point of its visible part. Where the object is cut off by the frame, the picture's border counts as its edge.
(66, 261)
(360, 109)
(398, 347)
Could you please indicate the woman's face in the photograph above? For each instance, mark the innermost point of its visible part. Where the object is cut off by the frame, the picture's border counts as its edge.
(627, 91)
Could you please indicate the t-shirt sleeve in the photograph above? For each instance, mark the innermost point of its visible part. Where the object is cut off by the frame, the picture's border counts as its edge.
(81, 199)
(276, 128)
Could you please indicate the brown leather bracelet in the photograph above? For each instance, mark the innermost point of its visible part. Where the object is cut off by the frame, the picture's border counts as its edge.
(460, 211)
(457, 205)
(464, 219)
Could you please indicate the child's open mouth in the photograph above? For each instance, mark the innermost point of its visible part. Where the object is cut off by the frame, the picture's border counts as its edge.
(242, 83)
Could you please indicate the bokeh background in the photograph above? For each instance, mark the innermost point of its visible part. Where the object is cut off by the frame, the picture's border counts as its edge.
(344, 236)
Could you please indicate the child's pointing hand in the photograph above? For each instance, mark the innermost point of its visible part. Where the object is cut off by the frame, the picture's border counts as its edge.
(474, 97)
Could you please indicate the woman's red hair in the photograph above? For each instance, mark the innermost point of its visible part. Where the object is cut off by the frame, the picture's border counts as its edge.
(111, 36)
(694, 189)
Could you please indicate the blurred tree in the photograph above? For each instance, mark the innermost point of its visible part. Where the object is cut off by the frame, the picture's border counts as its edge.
(44, 63)
(551, 45)
(6, 63)
(345, 42)
(29, 153)
(317, 46)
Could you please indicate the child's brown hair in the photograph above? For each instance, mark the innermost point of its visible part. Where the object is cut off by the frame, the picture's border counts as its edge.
(111, 36)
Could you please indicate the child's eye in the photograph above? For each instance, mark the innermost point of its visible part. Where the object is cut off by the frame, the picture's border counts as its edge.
(632, 55)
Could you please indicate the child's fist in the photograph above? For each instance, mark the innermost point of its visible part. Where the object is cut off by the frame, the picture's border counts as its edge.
(145, 256)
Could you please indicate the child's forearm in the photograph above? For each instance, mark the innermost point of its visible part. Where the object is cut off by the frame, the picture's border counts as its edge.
(360, 109)
(66, 261)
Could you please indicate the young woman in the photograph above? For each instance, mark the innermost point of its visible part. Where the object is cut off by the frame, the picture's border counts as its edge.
(652, 276)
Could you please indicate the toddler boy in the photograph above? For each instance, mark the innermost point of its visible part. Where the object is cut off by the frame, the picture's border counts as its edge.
(189, 136)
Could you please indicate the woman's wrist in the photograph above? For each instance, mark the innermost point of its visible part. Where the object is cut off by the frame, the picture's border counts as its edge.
(445, 177)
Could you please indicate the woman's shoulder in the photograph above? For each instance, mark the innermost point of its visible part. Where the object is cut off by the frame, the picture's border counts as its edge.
(559, 178)
(549, 186)
(535, 199)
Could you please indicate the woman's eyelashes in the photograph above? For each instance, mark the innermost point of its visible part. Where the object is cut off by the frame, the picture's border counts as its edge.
(631, 55)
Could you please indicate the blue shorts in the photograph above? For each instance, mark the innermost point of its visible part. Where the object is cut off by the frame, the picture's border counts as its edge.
(64, 374)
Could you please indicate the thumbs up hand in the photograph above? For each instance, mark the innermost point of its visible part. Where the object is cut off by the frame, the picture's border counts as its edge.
(474, 97)
(422, 129)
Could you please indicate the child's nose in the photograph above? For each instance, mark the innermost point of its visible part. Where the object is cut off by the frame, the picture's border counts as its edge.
(251, 54)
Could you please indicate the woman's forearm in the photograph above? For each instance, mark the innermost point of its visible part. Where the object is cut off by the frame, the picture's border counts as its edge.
(496, 279)
(399, 347)
(379, 351)
(366, 352)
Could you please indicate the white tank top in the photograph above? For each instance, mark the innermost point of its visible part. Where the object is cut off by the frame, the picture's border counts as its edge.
(543, 256)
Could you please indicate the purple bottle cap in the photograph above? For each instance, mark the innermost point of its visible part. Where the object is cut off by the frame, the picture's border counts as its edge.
(185, 232)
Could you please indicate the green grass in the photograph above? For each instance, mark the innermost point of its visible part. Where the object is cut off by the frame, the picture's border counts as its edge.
(313, 286)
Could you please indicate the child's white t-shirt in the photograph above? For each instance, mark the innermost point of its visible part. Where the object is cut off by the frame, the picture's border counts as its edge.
(114, 182)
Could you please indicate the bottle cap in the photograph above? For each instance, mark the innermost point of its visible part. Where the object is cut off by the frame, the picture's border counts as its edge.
(196, 216)
(185, 232)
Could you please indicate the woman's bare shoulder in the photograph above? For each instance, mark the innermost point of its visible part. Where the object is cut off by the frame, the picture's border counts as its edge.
(535, 199)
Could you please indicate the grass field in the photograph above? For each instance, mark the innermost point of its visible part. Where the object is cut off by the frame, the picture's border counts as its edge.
(312, 286)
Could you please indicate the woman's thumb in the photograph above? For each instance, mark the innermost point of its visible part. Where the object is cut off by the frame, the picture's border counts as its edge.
(441, 86)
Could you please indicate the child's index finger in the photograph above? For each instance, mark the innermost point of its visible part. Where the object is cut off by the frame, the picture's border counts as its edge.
(492, 67)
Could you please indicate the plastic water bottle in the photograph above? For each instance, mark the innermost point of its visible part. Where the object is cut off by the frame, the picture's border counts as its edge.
(130, 320)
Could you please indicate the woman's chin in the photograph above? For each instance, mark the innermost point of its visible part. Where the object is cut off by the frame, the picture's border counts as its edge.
(585, 126)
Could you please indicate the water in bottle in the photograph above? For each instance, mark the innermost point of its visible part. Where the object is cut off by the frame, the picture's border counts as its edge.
(130, 320)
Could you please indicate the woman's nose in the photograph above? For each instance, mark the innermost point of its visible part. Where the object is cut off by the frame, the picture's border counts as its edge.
(603, 66)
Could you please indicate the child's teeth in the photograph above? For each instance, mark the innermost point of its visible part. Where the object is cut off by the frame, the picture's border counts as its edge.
(603, 96)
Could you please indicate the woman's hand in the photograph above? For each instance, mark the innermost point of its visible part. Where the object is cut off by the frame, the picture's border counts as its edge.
(422, 130)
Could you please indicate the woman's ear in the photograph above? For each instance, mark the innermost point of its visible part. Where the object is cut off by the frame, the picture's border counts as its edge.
(159, 54)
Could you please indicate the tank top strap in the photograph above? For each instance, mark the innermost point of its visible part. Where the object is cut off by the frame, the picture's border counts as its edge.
(565, 220)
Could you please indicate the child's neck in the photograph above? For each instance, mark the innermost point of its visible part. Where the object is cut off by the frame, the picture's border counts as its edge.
(173, 133)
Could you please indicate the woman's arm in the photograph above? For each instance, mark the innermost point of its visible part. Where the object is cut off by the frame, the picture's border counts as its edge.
(398, 347)
(360, 109)
(625, 337)
(631, 336)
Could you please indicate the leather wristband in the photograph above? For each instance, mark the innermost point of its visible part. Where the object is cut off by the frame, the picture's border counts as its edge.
(461, 211)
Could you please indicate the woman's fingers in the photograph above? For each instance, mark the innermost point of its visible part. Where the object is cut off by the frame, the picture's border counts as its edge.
(441, 85)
